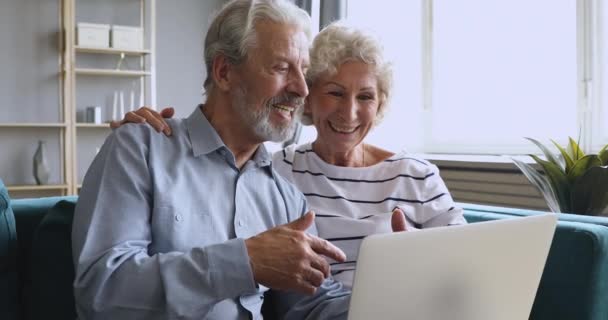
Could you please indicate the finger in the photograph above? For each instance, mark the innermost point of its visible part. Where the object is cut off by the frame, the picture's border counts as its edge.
(324, 247)
(320, 264)
(132, 117)
(153, 119)
(166, 129)
(398, 221)
(314, 277)
(114, 124)
(303, 286)
(167, 112)
(303, 223)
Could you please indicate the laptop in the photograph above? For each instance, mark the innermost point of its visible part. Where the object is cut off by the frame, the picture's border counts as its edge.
(480, 271)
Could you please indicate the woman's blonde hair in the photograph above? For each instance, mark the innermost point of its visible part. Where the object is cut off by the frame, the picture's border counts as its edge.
(339, 43)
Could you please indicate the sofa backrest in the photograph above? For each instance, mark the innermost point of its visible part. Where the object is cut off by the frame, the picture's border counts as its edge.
(9, 276)
(51, 269)
(469, 207)
(574, 284)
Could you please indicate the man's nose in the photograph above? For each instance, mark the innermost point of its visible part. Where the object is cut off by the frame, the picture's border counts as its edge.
(297, 84)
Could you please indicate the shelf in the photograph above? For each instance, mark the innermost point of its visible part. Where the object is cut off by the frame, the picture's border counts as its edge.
(92, 125)
(110, 72)
(33, 125)
(37, 187)
(111, 51)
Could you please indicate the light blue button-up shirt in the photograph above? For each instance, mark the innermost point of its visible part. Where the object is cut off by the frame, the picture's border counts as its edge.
(160, 225)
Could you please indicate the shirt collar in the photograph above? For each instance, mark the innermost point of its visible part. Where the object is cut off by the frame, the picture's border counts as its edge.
(204, 139)
(262, 157)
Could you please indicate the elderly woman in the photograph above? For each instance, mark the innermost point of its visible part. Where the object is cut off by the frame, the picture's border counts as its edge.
(355, 188)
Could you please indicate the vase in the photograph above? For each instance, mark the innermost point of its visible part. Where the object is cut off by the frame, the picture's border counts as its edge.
(41, 168)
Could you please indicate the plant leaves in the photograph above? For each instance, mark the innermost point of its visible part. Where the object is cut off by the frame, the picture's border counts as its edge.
(603, 155)
(581, 166)
(590, 192)
(559, 182)
(549, 155)
(540, 182)
(567, 158)
(575, 151)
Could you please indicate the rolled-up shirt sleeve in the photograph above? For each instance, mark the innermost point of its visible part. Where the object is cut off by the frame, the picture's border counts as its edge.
(437, 208)
(116, 275)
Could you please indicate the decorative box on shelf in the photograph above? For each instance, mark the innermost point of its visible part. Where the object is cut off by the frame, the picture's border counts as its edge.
(127, 38)
(93, 35)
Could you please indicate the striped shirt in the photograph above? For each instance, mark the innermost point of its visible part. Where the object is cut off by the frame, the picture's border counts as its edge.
(353, 202)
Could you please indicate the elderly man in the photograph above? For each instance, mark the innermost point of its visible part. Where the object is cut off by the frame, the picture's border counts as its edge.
(199, 225)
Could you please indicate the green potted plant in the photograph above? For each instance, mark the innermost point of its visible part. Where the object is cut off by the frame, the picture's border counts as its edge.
(571, 181)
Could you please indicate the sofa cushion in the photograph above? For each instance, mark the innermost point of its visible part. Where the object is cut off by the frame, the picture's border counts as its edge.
(9, 292)
(51, 270)
(574, 284)
(28, 214)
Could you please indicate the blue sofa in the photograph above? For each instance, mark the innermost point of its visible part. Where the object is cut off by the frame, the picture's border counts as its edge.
(36, 269)
(574, 284)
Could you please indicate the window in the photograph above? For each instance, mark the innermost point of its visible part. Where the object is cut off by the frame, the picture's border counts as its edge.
(495, 72)
(401, 126)
(603, 76)
(502, 70)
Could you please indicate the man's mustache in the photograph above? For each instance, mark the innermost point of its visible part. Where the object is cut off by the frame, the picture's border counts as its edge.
(289, 99)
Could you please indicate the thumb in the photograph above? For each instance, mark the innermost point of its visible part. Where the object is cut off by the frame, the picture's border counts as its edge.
(398, 220)
(167, 112)
(302, 223)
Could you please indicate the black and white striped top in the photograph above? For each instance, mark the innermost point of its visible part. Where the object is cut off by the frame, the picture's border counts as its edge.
(353, 202)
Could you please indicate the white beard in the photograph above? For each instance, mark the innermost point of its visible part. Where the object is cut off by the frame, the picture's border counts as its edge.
(259, 121)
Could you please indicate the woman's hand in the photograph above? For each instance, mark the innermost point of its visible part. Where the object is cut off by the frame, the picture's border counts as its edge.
(398, 221)
(152, 117)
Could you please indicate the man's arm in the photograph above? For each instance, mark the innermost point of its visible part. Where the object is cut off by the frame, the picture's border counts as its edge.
(115, 275)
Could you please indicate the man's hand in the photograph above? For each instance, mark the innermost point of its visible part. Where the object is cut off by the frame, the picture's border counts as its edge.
(287, 258)
(398, 221)
(145, 114)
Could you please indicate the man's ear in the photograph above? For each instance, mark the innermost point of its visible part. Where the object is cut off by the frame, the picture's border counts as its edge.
(221, 71)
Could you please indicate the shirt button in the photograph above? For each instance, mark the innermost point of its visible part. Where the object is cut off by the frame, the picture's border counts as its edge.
(178, 217)
(240, 223)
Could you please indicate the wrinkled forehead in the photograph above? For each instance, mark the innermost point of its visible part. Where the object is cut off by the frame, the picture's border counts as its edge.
(281, 40)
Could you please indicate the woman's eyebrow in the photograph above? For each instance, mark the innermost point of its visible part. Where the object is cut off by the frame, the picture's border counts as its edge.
(333, 83)
(367, 89)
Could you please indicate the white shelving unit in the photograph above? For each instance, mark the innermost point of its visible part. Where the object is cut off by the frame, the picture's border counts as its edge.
(146, 69)
(107, 72)
(92, 125)
(68, 128)
(37, 187)
(111, 51)
(33, 125)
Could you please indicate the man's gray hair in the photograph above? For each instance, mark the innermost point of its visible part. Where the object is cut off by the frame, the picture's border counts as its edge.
(341, 42)
(232, 32)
